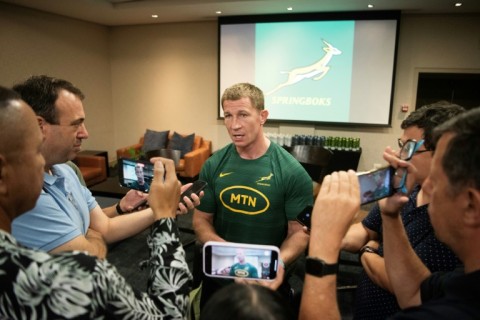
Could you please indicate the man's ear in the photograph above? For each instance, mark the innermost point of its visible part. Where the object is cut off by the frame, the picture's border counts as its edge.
(41, 123)
(472, 213)
(263, 116)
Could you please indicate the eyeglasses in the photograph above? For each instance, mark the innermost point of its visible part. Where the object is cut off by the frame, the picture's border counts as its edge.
(409, 148)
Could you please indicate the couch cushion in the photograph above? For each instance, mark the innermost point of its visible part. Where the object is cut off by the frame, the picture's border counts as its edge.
(182, 143)
(154, 140)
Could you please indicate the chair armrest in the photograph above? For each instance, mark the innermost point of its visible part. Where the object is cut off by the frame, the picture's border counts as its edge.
(206, 144)
(125, 151)
(89, 161)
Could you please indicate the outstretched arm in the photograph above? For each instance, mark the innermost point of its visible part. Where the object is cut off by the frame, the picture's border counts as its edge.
(123, 226)
(92, 243)
(131, 201)
(203, 226)
(339, 193)
(292, 247)
(404, 268)
(374, 266)
(294, 244)
(357, 236)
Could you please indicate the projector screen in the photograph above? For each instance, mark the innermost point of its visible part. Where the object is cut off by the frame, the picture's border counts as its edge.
(326, 68)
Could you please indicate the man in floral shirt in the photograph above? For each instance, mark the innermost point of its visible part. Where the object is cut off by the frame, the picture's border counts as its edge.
(37, 285)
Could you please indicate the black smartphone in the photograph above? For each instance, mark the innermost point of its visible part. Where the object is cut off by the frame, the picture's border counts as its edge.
(196, 187)
(305, 216)
(135, 174)
(376, 184)
(232, 260)
(143, 203)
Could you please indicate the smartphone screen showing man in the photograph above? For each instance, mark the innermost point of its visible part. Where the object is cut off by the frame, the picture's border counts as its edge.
(234, 260)
(135, 174)
(376, 184)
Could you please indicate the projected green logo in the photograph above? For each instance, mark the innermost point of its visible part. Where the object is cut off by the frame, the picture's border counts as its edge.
(306, 69)
(317, 70)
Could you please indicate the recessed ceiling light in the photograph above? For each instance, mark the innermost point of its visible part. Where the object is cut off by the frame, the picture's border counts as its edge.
(458, 4)
(370, 5)
(154, 16)
(289, 8)
(218, 12)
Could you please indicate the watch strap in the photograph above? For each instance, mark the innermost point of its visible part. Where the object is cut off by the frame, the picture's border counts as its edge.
(368, 249)
(319, 268)
(119, 209)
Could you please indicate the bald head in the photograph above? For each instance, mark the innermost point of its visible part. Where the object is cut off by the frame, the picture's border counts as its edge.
(17, 123)
(21, 162)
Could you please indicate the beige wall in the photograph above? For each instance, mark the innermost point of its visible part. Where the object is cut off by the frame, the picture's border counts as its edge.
(35, 43)
(164, 76)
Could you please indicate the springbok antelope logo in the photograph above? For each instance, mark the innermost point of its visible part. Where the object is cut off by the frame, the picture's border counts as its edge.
(265, 178)
(318, 69)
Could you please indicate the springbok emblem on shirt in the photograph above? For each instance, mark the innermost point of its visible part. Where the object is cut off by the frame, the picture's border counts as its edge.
(318, 70)
(266, 178)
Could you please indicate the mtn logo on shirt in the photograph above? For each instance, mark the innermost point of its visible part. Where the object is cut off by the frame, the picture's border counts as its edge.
(244, 200)
(241, 273)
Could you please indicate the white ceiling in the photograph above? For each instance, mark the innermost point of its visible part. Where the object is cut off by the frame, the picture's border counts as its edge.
(132, 12)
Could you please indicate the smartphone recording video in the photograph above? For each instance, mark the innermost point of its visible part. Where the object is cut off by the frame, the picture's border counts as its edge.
(239, 260)
(135, 174)
(196, 188)
(376, 184)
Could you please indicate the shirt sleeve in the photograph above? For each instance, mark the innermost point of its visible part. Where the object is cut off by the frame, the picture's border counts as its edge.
(434, 286)
(299, 192)
(373, 220)
(168, 284)
(45, 227)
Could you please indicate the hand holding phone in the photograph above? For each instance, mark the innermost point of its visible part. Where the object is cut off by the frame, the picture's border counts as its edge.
(231, 260)
(195, 188)
(134, 200)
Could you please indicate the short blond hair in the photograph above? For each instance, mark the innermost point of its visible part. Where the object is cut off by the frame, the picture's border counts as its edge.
(245, 90)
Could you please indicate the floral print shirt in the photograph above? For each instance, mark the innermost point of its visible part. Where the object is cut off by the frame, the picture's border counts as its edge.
(37, 285)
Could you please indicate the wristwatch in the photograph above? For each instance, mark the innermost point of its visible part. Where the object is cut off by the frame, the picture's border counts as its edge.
(319, 268)
(119, 209)
(366, 249)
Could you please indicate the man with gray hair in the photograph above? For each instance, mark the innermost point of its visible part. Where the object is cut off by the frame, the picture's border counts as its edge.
(453, 189)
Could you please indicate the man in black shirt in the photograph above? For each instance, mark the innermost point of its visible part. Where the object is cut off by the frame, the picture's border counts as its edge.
(453, 189)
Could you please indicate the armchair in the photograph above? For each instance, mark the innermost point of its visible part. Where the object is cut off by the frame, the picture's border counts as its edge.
(92, 168)
(189, 166)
